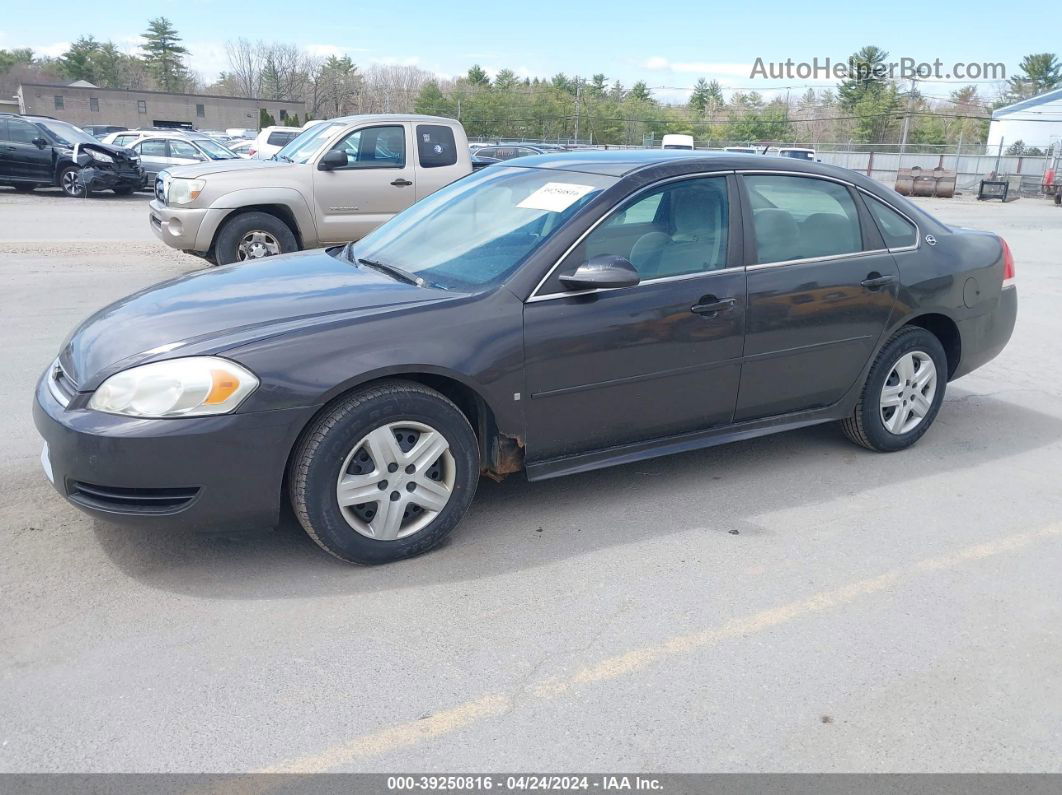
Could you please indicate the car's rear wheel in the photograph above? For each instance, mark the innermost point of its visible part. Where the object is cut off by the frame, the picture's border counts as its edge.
(70, 182)
(902, 393)
(251, 236)
(385, 473)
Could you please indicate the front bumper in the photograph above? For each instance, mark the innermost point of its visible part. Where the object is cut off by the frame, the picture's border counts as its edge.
(207, 473)
(101, 177)
(186, 228)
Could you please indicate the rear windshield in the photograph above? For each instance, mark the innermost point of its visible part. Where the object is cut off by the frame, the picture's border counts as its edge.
(280, 138)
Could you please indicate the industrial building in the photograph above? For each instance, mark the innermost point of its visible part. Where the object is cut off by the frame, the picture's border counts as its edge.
(1036, 121)
(83, 103)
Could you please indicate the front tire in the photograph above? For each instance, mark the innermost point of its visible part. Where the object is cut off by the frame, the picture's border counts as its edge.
(902, 393)
(71, 184)
(251, 236)
(385, 473)
(124, 190)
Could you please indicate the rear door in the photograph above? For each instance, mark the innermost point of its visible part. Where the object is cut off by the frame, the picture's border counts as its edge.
(821, 289)
(378, 181)
(154, 156)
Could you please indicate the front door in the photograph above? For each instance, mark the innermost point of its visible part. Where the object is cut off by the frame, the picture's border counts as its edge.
(612, 367)
(377, 182)
(821, 289)
(20, 157)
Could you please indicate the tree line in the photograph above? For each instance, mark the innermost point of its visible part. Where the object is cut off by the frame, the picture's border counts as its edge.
(868, 108)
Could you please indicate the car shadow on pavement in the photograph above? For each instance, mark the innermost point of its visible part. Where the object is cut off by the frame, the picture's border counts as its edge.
(516, 525)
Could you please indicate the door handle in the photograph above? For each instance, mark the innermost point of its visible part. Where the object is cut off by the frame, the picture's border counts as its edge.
(710, 306)
(876, 280)
(401, 183)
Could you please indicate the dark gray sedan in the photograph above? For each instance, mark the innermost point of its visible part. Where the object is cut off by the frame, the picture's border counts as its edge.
(551, 317)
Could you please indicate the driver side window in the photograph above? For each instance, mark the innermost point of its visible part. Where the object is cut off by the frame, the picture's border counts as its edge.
(21, 132)
(374, 147)
(676, 229)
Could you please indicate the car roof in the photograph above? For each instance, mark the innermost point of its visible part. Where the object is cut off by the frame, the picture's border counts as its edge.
(622, 162)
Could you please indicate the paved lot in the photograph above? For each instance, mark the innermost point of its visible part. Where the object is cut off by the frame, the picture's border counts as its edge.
(787, 604)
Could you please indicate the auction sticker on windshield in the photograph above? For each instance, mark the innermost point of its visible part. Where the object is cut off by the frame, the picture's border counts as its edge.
(555, 197)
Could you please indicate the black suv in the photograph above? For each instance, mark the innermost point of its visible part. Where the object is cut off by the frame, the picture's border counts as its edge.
(37, 151)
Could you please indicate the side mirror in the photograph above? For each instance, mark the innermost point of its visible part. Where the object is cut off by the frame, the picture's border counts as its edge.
(39, 142)
(332, 159)
(602, 272)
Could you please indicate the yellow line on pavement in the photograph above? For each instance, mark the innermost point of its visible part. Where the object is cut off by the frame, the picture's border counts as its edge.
(391, 738)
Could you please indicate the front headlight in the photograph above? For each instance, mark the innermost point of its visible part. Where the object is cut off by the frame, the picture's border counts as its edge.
(99, 156)
(196, 386)
(184, 191)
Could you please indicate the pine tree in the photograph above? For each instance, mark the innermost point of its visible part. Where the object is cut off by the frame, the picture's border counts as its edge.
(265, 119)
(164, 54)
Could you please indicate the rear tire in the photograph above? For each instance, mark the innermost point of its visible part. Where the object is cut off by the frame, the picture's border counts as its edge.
(253, 235)
(20, 188)
(125, 190)
(902, 393)
(385, 473)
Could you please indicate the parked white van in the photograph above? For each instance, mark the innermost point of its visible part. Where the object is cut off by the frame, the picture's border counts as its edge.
(676, 141)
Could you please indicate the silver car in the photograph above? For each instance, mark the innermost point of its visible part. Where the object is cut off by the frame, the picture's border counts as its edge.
(162, 150)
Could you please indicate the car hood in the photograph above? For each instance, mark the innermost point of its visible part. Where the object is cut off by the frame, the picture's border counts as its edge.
(211, 311)
(206, 168)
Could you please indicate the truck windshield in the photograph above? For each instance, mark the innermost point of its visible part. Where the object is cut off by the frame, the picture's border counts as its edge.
(479, 229)
(307, 143)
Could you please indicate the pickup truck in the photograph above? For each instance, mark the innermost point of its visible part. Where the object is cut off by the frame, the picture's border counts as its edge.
(336, 182)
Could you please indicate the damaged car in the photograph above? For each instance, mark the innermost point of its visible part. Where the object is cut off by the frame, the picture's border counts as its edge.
(37, 151)
(550, 316)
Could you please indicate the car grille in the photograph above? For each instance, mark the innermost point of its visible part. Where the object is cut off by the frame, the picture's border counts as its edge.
(129, 500)
(62, 387)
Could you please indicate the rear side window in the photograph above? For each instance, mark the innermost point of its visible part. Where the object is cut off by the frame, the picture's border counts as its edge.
(280, 138)
(152, 148)
(436, 146)
(897, 230)
(801, 218)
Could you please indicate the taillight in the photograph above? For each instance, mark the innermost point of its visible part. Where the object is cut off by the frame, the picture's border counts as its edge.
(1008, 264)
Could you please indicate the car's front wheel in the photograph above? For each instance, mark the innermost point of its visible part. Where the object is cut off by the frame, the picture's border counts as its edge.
(253, 235)
(70, 182)
(385, 473)
(902, 393)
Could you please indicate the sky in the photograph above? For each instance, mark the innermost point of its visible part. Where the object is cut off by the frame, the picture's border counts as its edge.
(667, 44)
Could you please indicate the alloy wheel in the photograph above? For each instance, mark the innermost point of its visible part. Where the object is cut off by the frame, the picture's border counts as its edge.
(907, 395)
(71, 187)
(257, 244)
(396, 480)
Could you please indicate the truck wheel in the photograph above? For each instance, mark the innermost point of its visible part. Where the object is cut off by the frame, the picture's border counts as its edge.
(902, 393)
(253, 236)
(71, 185)
(385, 473)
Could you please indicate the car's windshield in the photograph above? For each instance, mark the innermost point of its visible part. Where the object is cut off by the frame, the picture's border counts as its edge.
(307, 143)
(479, 229)
(67, 133)
(214, 150)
